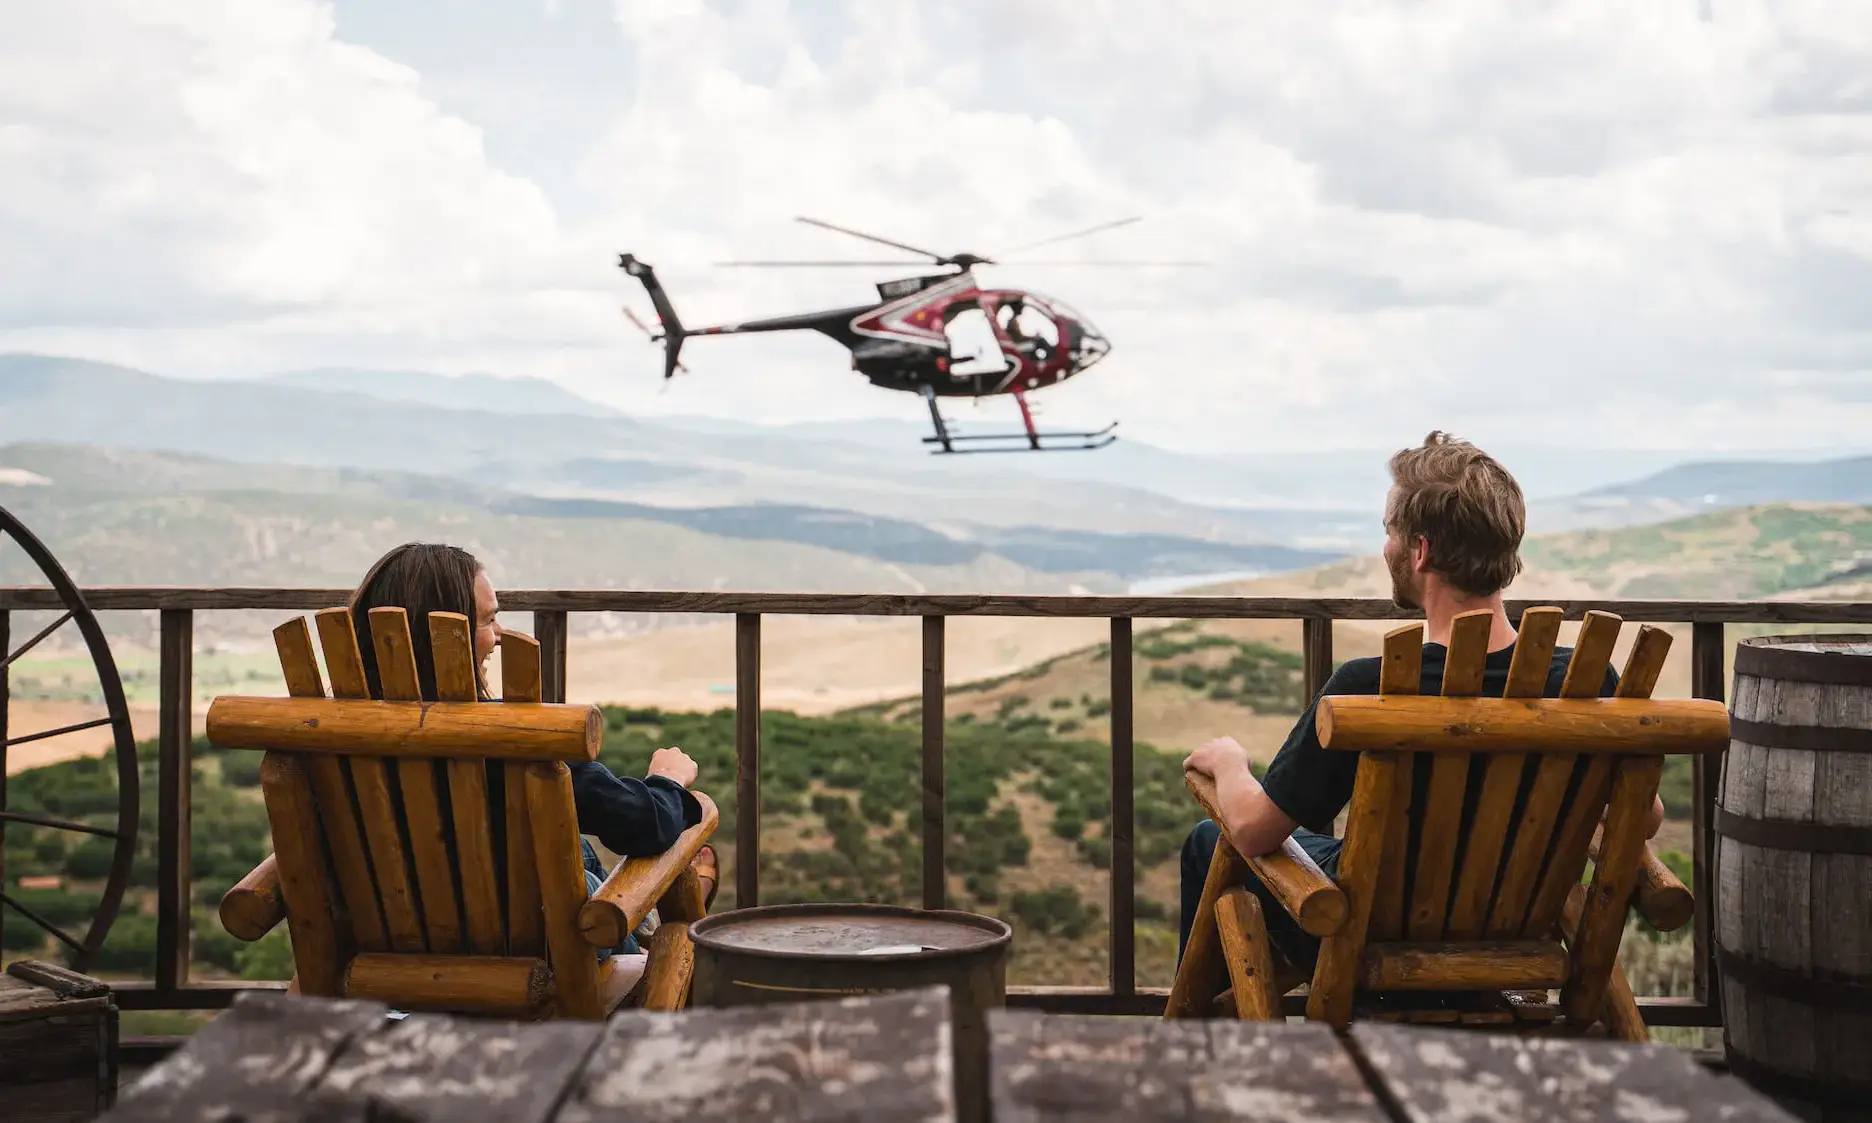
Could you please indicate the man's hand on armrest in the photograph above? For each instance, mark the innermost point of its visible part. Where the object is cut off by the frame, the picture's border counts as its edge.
(1250, 819)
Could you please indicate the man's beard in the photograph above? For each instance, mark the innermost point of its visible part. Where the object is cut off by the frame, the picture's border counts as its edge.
(1400, 583)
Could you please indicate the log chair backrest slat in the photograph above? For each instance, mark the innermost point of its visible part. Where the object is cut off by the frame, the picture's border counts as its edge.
(1484, 845)
(428, 855)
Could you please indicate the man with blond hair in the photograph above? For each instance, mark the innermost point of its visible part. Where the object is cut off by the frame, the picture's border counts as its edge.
(1454, 520)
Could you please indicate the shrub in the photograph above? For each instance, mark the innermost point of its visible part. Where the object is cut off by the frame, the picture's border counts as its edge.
(1056, 911)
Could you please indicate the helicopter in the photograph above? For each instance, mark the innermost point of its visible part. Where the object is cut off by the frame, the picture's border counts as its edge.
(940, 335)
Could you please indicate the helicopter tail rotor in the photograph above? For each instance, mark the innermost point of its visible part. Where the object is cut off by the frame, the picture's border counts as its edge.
(673, 334)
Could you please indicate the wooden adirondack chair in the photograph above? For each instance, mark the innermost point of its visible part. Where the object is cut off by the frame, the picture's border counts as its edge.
(1494, 919)
(404, 877)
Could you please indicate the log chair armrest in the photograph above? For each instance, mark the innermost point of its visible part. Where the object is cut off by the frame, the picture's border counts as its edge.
(637, 885)
(1303, 889)
(1310, 897)
(1663, 900)
(254, 906)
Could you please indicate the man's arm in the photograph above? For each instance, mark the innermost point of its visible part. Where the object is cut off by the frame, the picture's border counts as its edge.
(1253, 824)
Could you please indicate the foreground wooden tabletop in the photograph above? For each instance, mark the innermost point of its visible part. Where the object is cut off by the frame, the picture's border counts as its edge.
(272, 1058)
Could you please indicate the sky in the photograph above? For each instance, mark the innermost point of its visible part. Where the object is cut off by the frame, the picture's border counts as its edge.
(1592, 224)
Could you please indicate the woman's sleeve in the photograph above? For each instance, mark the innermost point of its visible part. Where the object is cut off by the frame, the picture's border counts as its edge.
(632, 817)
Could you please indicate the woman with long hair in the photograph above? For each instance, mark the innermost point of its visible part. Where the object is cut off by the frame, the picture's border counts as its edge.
(632, 817)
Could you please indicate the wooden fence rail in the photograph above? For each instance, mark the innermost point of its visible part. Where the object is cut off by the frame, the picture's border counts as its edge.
(172, 989)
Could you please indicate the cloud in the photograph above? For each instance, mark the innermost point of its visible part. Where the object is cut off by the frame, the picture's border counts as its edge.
(1647, 224)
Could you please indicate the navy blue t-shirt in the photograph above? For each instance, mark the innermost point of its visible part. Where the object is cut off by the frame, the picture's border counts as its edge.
(1311, 784)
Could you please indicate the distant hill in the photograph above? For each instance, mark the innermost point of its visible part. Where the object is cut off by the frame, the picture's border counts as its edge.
(1125, 557)
(1746, 483)
(1131, 556)
(607, 457)
(1742, 553)
(105, 531)
(484, 392)
(1709, 485)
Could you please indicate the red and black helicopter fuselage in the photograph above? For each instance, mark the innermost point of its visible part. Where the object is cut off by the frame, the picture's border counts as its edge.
(939, 336)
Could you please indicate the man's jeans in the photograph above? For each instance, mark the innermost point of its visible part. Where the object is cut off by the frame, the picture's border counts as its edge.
(1299, 949)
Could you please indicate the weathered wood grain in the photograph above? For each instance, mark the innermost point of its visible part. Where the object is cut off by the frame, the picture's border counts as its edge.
(254, 1063)
(884, 1057)
(429, 1067)
(1793, 913)
(1470, 1077)
(1097, 1070)
(58, 1044)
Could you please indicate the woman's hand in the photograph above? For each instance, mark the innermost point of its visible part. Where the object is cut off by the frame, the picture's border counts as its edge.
(674, 764)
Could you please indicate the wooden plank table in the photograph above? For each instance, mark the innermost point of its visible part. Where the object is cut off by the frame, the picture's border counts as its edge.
(277, 1058)
(274, 1058)
(1142, 1071)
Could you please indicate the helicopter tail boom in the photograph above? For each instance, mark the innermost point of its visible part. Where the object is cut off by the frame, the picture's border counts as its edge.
(673, 331)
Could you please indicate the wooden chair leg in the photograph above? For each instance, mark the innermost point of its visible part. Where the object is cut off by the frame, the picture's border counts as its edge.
(1621, 1016)
(1202, 973)
(1244, 936)
(672, 968)
(1619, 1012)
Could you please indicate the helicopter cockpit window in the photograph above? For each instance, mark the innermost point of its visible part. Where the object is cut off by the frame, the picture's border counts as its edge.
(973, 348)
(1027, 323)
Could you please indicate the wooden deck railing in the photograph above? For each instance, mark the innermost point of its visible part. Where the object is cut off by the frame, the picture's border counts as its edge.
(172, 988)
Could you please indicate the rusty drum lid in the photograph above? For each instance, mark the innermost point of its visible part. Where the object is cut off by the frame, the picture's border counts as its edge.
(849, 932)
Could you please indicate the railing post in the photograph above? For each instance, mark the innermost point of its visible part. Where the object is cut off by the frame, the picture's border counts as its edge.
(6, 646)
(1316, 645)
(1707, 655)
(173, 818)
(747, 759)
(935, 789)
(549, 628)
(1123, 943)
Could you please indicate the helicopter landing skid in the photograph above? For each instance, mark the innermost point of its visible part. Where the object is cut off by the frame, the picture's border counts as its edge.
(1030, 440)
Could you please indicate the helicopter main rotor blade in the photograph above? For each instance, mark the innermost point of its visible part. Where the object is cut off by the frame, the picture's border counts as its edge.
(871, 238)
(1097, 261)
(1074, 234)
(817, 264)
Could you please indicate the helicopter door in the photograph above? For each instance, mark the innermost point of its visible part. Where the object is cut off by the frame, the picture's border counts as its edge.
(973, 346)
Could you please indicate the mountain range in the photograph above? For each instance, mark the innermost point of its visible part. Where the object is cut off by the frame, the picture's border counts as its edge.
(527, 446)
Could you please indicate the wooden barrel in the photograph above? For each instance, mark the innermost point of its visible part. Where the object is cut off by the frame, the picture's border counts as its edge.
(1793, 903)
(815, 952)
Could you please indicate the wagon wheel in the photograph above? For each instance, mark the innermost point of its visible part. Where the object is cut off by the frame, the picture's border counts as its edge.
(76, 612)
